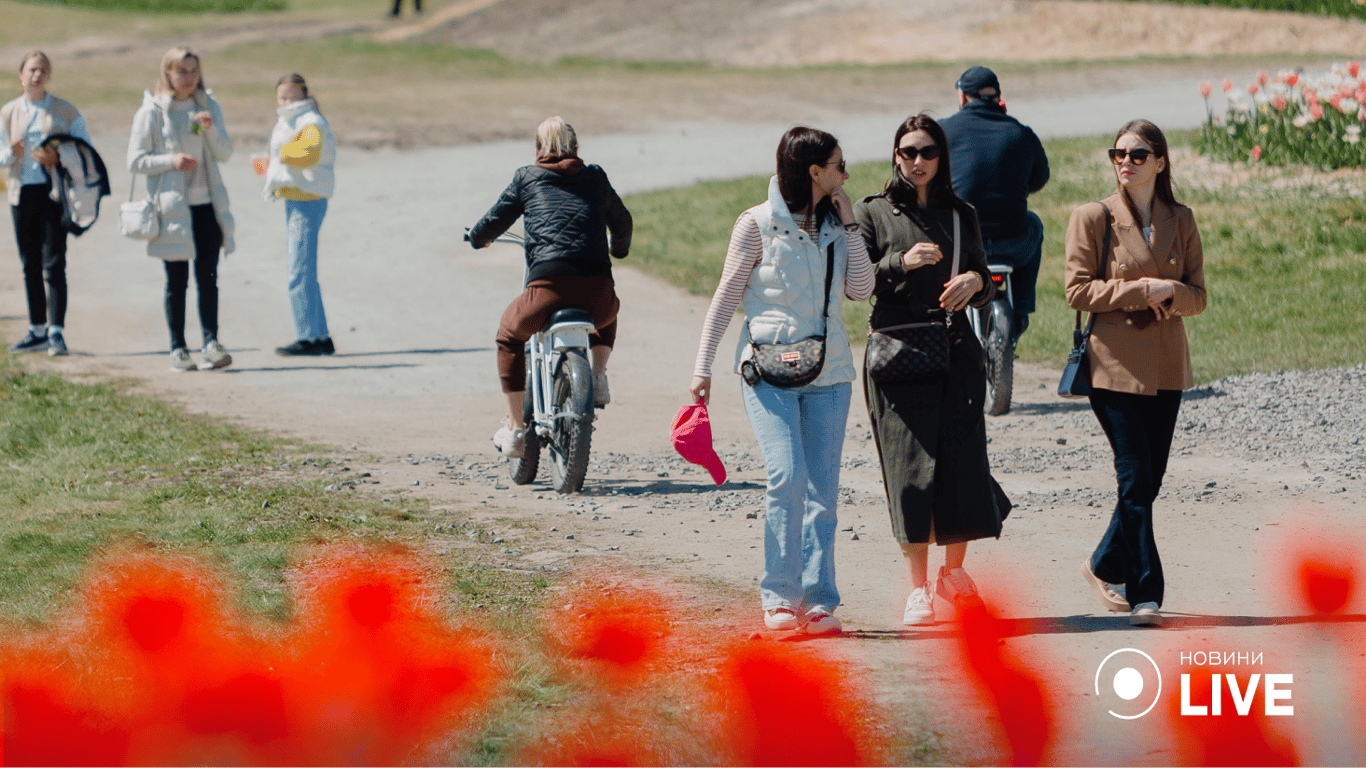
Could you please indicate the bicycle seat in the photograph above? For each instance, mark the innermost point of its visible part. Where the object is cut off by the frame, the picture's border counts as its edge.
(569, 315)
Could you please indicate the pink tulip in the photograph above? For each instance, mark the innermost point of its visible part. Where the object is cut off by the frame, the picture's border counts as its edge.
(1361, 114)
(1334, 101)
(1227, 86)
(1310, 97)
(1252, 89)
(1278, 101)
(1315, 112)
(1292, 79)
(1257, 152)
(1353, 68)
(1360, 94)
(1262, 78)
(1345, 91)
(1205, 90)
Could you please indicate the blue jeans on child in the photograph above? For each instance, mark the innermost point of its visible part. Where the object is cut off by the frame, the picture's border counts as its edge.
(801, 435)
(303, 219)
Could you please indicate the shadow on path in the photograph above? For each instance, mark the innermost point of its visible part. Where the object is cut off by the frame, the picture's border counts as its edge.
(1072, 625)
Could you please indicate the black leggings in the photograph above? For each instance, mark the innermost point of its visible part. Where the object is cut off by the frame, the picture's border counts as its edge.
(42, 250)
(208, 239)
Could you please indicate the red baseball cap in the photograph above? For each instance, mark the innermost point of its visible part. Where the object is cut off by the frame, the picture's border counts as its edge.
(691, 436)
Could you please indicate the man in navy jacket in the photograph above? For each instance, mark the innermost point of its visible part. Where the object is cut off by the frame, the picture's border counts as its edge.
(997, 163)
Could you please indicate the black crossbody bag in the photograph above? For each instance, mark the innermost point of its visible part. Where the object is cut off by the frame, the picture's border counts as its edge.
(914, 352)
(1076, 375)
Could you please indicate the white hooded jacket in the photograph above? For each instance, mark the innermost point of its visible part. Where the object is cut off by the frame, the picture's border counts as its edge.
(152, 147)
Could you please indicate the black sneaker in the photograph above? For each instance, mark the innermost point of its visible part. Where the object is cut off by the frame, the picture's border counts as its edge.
(30, 343)
(326, 346)
(300, 347)
(56, 345)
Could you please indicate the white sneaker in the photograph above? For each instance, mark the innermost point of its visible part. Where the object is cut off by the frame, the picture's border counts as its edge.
(781, 618)
(822, 623)
(214, 356)
(601, 394)
(180, 360)
(510, 442)
(919, 608)
(956, 586)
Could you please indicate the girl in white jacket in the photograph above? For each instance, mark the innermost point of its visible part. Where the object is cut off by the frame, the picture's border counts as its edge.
(178, 140)
(302, 152)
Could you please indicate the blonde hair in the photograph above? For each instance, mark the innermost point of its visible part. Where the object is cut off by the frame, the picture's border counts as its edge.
(168, 62)
(556, 137)
(35, 55)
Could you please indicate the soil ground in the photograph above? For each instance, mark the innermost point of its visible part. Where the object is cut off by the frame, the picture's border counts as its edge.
(412, 392)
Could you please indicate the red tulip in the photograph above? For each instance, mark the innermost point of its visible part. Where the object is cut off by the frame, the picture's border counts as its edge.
(1257, 152)
(1262, 78)
(1252, 89)
(1205, 90)
(1227, 86)
(1315, 111)
(1292, 79)
(1353, 68)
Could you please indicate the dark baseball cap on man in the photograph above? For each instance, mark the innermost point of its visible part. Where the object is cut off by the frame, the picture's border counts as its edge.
(975, 79)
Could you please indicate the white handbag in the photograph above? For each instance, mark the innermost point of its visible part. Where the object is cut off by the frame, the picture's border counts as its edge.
(139, 219)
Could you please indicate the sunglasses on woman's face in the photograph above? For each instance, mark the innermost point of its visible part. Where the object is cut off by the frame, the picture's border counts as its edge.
(909, 154)
(841, 164)
(1137, 156)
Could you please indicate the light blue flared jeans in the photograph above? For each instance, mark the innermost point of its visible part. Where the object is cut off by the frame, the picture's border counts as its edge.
(801, 435)
(303, 219)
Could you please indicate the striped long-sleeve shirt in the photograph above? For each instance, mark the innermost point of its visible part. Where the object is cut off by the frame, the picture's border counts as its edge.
(745, 252)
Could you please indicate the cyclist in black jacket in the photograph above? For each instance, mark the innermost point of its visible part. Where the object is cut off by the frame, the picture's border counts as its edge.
(997, 163)
(569, 208)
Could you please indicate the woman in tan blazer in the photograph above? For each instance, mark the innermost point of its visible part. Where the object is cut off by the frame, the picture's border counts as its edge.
(1139, 290)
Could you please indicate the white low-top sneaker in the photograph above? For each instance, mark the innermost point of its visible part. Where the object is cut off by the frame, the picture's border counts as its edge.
(1145, 615)
(919, 608)
(781, 619)
(214, 356)
(822, 623)
(181, 361)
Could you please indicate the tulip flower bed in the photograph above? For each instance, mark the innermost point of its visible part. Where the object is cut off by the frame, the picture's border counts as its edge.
(1291, 119)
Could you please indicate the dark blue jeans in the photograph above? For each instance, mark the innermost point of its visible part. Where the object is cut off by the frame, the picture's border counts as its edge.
(1140, 429)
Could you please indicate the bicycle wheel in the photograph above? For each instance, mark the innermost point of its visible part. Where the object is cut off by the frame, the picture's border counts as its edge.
(1000, 361)
(524, 469)
(571, 431)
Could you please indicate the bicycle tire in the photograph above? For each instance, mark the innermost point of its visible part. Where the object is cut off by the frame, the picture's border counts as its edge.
(524, 470)
(571, 430)
(1000, 361)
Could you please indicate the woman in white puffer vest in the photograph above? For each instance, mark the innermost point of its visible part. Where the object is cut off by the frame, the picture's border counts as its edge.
(178, 140)
(302, 152)
(777, 266)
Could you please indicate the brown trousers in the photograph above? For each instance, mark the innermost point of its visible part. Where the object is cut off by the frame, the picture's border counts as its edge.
(529, 311)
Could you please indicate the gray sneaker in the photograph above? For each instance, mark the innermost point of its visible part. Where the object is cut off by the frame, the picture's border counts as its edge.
(180, 360)
(214, 356)
(56, 345)
(601, 394)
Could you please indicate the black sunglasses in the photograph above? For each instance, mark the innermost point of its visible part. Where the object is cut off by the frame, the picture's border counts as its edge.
(909, 154)
(827, 165)
(1138, 156)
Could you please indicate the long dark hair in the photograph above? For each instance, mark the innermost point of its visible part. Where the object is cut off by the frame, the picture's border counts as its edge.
(1162, 186)
(901, 191)
(798, 150)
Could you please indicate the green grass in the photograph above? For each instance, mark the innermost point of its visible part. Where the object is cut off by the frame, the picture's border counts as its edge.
(1347, 9)
(1284, 265)
(89, 466)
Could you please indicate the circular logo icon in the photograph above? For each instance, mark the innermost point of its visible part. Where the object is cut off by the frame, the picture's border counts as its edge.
(1128, 683)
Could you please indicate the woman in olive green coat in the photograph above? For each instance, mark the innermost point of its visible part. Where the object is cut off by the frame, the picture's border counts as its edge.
(931, 437)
